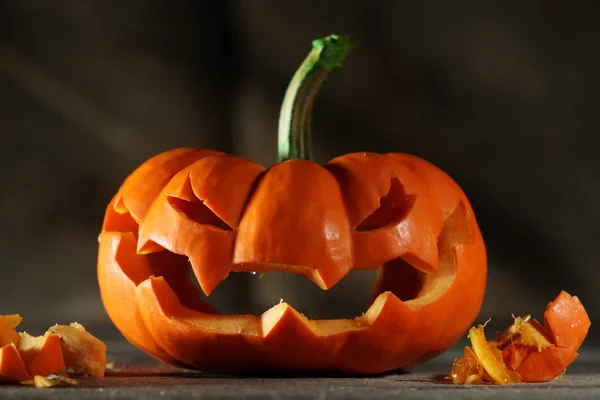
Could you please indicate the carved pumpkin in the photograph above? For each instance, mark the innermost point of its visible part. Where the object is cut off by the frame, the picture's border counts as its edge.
(395, 212)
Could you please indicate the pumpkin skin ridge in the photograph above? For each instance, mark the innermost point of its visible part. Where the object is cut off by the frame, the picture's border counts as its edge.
(339, 347)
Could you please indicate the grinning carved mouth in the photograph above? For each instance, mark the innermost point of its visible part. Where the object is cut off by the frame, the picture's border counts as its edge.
(254, 293)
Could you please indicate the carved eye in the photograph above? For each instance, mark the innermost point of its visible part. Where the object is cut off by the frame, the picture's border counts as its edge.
(392, 208)
(198, 212)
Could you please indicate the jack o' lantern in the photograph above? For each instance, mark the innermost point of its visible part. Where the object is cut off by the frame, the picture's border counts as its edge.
(395, 212)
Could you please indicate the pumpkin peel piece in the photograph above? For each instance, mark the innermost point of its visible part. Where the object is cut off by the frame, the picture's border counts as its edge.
(8, 333)
(42, 354)
(567, 321)
(525, 331)
(52, 380)
(12, 367)
(39, 361)
(527, 349)
(81, 350)
(546, 365)
(490, 357)
(467, 370)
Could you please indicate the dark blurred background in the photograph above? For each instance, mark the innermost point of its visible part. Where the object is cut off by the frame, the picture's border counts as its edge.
(502, 95)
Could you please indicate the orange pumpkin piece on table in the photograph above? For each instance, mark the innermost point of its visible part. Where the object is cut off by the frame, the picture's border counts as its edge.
(8, 325)
(81, 350)
(393, 212)
(527, 351)
(566, 323)
(42, 355)
(38, 361)
(12, 366)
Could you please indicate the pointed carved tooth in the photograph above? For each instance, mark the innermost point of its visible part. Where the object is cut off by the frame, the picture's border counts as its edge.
(389, 309)
(209, 273)
(272, 316)
(209, 253)
(282, 321)
(119, 205)
(326, 278)
(148, 247)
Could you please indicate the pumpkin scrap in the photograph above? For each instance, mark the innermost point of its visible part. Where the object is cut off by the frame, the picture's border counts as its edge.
(42, 382)
(39, 361)
(43, 354)
(12, 367)
(82, 350)
(8, 334)
(526, 351)
(490, 357)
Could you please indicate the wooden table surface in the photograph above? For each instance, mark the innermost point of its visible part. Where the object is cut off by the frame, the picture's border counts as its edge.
(135, 376)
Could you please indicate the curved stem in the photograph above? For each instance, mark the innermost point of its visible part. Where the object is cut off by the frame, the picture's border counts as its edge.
(326, 55)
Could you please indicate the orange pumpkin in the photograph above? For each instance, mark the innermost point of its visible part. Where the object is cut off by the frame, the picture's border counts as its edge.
(395, 212)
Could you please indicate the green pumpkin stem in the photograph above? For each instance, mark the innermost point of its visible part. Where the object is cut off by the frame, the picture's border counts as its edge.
(326, 55)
